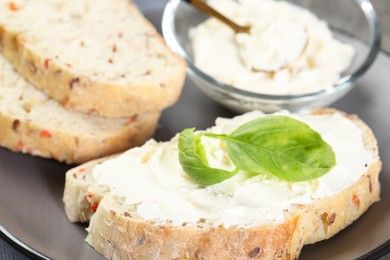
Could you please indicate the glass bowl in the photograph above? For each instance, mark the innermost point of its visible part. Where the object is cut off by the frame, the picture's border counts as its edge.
(351, 21)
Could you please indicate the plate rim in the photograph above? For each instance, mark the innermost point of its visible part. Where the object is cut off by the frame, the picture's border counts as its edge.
(31, 253)
(28, 251)
(20, 246)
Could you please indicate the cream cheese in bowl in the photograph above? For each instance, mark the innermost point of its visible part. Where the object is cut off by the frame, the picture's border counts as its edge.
(271, 45)
(281, 33)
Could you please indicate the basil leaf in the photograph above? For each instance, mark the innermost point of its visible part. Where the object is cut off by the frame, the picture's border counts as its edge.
(281, 146)
(192, 157)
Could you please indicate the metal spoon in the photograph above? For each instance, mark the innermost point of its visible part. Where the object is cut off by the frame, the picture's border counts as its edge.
(207, 9)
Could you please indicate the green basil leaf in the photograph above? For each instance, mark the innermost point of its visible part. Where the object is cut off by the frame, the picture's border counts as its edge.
(280, 146)
(192, 157)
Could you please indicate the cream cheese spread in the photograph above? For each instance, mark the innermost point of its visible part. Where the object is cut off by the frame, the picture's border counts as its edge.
(281, 34)
(151, 178)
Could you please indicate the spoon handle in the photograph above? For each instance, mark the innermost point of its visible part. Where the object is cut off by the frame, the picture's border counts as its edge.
(207, 9)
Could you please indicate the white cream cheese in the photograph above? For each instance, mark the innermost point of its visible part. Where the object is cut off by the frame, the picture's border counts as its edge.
(271, 45)
(152, 178)
(229, 57)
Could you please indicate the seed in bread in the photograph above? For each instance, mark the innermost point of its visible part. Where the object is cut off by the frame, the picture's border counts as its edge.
(154, 211)
(99, 57)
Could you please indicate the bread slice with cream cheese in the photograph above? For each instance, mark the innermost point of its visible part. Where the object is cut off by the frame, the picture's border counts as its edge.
(138, 223)
(98, 57)
(31, 122)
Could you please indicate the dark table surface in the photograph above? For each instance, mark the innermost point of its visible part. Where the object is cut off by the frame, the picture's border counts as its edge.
(8, 252)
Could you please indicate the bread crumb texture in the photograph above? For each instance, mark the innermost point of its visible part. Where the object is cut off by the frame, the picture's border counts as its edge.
(100, 57)
(33, 123)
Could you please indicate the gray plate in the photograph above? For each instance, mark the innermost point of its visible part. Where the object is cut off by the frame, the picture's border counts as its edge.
(31, 210)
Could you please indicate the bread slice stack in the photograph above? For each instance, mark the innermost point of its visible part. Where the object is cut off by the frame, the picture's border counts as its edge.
(135, 223)
(81, 80)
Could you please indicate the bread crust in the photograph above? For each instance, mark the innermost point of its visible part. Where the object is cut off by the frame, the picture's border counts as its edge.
(119, 237)
(82, 93)
(117, 234)
(70, 147)
(336, 212)
(32, 123)
(81, 193)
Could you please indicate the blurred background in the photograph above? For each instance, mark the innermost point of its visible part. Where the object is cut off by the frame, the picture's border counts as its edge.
(383, 9)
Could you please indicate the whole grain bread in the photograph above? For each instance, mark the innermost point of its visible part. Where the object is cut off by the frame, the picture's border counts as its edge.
(32, 123)
(117, 232)
(98, 57)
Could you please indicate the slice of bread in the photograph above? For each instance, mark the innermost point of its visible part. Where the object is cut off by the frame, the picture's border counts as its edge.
(35, 124)
(118, 231)
(98, 57)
